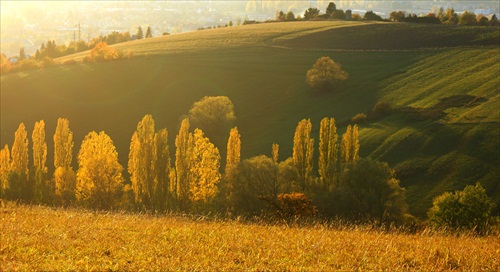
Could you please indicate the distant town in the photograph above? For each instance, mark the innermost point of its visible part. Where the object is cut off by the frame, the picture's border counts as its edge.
(29, 24)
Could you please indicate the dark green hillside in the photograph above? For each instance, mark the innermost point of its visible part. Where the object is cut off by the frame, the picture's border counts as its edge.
(442, 135)
(395, 36)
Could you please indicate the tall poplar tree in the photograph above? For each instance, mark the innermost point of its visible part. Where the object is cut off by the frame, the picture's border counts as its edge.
(162, 170)
(42, 188)
(181, 163)
(64, 176)
(232, 160)
(141, 162)
(203, 173)
(5, 164)
(20, 184)
(328, 149)
(99, 176)
(350, 146)
(303, 151)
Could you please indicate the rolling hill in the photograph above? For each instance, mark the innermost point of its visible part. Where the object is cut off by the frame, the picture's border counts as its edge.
(443, 131)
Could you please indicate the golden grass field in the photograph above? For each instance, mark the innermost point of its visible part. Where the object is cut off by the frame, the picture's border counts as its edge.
(43, 238)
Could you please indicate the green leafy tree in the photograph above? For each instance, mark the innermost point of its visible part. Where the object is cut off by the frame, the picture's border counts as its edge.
(214, 115)
(64, 176)
(467, 18)
(331, 8)
(258, 186)
(20, 185)
(290, 16)
(369, 191)
(338, 14)
(311, 13)
(468, 209)
(99, 175)
(303, 151)
(325, 73)
(328, 151)
(371, 16)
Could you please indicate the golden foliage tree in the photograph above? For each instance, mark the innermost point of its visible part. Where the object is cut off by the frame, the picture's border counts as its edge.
(350, 145)
(275, 152)
(232, 160)
(215, 116)
(325, 73)
(328, 149)
(5, 65)
(141, 161)
(5, 163)
(102, 51)
(64, 176)
(21, 185)
(162, 170)
(181, 163)
(99, 176)
(42, 187)
(303, 151)
(204, 162)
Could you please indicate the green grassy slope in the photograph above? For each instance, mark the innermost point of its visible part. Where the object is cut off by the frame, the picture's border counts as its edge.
(264, 76)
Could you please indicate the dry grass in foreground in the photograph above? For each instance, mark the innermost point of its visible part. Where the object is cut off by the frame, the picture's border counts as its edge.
(41, 238)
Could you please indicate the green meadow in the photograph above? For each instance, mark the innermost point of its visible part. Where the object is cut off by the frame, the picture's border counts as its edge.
(442, 83)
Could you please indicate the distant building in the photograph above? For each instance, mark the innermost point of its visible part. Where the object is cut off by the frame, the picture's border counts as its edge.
(348, 14)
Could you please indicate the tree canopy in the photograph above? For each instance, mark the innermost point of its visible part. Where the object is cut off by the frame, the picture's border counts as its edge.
(325, 73)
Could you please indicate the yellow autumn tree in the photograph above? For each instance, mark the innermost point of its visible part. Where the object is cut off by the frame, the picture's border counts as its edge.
(232, 160)
(141, 162)
(328, 151)
(182, 164)
(204, 162)
(99, 176)
(303, 151)
(350, 146)
(5, 163)
(64, 176)
(162, 171)
(20, 184)
(102, 51)
(42, 186)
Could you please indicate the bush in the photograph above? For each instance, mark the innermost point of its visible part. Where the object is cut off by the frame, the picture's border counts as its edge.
(382, 109)
(295, 205)
(359, 118)
(469, 209)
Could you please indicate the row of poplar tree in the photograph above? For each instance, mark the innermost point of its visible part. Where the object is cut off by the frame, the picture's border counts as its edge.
(193, 182)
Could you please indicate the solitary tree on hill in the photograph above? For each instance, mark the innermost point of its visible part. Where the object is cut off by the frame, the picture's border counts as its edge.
(325, 73)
